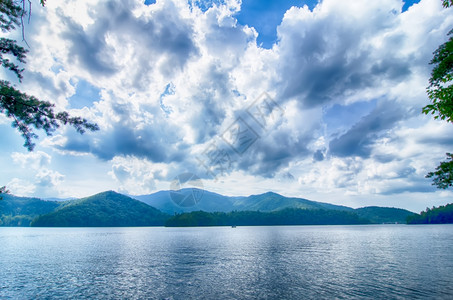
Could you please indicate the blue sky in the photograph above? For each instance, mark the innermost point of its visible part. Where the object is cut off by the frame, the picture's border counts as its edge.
(319, 100)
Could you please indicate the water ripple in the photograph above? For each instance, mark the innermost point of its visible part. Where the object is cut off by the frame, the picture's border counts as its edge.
(309, 262)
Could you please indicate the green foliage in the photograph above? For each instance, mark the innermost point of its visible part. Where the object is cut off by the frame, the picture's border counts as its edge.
(10, 13)
(379, 215)
(287, 216)
(443, 176)
(447, 3)
(101, 210)
(113, 209)
(27, 111)
(439, 215)
(20, 211)
(440, 92)
(3, 190)
(8, 46)
(272, 201)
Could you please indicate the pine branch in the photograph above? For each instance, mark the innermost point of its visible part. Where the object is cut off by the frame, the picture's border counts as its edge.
(27, 112)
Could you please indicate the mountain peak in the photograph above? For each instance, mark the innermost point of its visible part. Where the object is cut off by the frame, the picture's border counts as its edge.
(268, 194)
(109, 192)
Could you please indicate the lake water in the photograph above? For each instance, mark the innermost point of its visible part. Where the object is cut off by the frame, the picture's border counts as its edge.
(299, 262)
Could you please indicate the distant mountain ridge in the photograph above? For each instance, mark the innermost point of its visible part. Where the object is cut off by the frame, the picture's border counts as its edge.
(213, 202)
(267, 202)
(114, 209)
(209, 201)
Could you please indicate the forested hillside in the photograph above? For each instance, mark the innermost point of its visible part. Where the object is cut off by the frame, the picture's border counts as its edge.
(436, 215)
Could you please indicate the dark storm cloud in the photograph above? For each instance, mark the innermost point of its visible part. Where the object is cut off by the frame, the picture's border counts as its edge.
(323, 61)
(129, 135)
(125, 141)
(88, 49)
(269, 154)
(359, 140)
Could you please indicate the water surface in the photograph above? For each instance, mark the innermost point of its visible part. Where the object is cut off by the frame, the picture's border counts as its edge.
(293, 262)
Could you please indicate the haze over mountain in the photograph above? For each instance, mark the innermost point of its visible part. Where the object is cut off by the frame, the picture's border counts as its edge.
(203, 200)
(213, 202)
(114, 209)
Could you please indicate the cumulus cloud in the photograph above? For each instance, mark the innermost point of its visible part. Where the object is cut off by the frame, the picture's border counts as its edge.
(137, 176)
(144, 38)
(175, 76)
(40, 177)
(21, 187)
(46, 178)
(342, 50)
(31, 160)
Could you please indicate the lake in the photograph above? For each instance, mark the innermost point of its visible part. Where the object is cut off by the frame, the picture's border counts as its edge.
(281, 262)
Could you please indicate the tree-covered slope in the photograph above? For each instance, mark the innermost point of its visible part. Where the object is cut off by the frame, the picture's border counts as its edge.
(113, 209)
(287, 216)
(270, 201)
(379, 215)
(266, 202)
(104, 209)
(20, 211)
(436, 215)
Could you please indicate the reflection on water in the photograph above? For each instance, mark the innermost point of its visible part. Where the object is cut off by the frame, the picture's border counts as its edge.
(388, 261)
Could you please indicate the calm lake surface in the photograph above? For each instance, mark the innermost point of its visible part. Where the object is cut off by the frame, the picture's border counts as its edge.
(299, 262)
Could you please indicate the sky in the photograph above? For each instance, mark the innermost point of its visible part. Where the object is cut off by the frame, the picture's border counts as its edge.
(314, 99)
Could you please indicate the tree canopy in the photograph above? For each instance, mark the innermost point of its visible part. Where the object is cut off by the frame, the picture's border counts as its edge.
(440, 92)
(436, 215)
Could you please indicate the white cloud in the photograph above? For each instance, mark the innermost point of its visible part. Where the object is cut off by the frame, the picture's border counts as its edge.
(39, 177)
(173, 78)
(137, 176)
(21, 187)
(46, 178)
(31, 160)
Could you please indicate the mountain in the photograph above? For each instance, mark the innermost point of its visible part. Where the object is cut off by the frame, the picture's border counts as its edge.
(270, 201)
(102, 210)
(379, 215)
(166, 201)
(213, 202)
(59, 199)
(113, 209)
(20, 211)
(437, 215)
